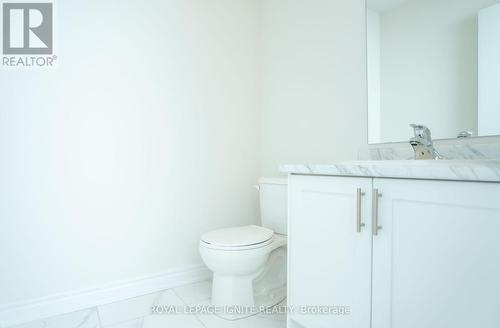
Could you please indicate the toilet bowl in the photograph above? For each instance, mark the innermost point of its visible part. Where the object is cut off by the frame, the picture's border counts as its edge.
(249, 262)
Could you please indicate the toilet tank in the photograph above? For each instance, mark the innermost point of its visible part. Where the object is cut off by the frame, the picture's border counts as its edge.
(273, 195)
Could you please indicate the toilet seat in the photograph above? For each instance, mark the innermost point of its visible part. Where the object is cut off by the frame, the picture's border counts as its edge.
(237, 238)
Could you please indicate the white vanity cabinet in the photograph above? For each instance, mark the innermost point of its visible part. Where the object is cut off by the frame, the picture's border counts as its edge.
(330, 248)
(436, 260)
(433, 262)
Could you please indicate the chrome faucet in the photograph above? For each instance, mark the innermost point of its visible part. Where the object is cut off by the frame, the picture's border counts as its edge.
(422, 143)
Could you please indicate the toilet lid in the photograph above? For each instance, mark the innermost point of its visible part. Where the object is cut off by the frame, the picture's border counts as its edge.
(238, 236)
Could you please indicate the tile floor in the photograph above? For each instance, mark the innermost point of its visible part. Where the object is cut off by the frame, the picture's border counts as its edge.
(136, 313)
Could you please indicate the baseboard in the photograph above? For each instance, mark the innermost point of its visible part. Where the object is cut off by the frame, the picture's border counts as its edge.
(40, 308)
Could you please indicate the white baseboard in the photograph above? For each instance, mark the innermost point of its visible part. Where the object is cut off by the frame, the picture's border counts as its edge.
(40, 308)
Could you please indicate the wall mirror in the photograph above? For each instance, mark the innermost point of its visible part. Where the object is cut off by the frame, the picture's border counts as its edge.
(433, 62)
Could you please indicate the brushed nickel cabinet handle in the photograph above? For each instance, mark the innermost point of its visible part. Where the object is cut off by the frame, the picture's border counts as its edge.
(359, 224)
(375, 226)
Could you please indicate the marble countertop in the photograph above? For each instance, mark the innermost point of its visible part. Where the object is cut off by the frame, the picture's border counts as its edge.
(457, 170)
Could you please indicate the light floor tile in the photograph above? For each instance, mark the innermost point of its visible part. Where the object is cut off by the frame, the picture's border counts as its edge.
(277, 312)
(212, 321)
(263, 323)
(258, 320)
(80, 319)
(172, 321)
(136, 323)
(136, 313)
(275, 317)
(168, 297)
(195, 292)
(127, 310)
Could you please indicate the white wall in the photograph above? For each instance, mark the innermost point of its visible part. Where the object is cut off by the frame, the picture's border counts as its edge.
(152, 128)
(313, 86)
(489, 71)
(429, 67)
(145, 136)
(373, 74)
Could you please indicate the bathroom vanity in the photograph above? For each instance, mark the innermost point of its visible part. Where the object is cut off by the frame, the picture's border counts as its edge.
(409, 243)
(401, 244)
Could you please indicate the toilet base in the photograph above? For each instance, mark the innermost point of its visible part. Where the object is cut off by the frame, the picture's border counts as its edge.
(237, 297)
(247, 295)
(232, 290)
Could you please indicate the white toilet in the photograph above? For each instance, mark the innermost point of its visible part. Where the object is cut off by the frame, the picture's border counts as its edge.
(249, 262)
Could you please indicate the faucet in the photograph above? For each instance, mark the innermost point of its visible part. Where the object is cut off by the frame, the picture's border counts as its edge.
(464, 134)
(422, 143)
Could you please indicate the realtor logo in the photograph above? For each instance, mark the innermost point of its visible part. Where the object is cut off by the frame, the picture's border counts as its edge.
(27, 34)
(27, 28)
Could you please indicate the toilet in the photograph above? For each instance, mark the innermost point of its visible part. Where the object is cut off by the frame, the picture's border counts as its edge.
(249, 262)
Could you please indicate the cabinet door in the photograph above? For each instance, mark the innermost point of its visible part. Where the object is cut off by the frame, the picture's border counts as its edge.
(329, 260)
(436, 259)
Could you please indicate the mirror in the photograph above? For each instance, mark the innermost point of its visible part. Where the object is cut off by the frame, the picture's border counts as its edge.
(436, 63)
